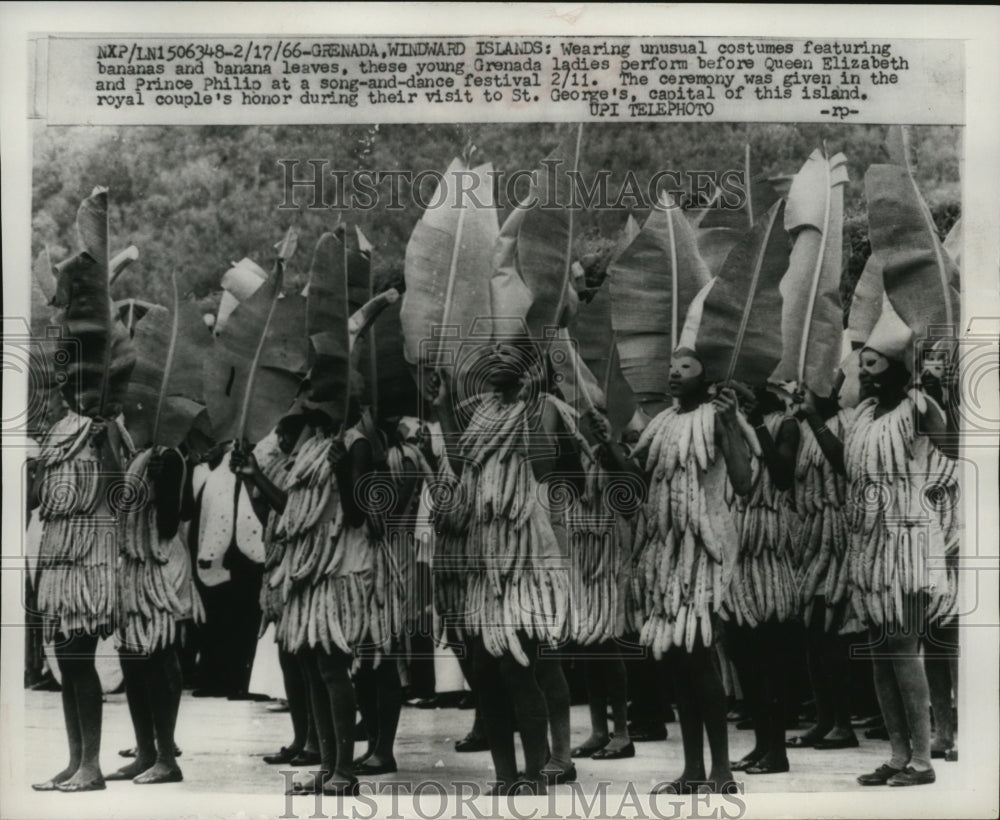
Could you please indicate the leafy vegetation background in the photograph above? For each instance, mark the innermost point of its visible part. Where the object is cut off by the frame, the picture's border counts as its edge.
(195, 199)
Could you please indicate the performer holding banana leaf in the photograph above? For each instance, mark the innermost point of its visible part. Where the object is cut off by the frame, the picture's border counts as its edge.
(812, 327)
(391, 496)
(688, 548)
(80, 490)
(898, 551)
(156, 592)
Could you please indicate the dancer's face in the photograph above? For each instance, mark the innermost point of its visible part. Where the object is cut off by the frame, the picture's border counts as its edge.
(686, 373)
(507, 364)
(872, 365)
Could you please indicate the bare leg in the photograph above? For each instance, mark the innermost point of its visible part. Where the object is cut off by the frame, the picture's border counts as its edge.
(164, 686)
(70, 717)
(79, 662)
(555, 689)
(690, 716)
(707, 687)
(745, 647)
(319, 700)
(912, 682)
(597, 700)
(297, 694)
(390, 703)
(334, 670)
(135, 670)
(529, 708)
(498, 722)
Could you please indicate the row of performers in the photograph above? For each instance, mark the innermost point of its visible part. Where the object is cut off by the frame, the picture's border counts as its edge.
(728, 513)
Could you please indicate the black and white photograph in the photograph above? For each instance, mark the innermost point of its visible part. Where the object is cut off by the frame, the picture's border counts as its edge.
(421, 417)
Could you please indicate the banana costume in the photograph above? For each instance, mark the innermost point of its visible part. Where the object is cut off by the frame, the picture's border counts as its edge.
(78, 554)
(763, 583)
(156, 589)
(600, 544)
(897, 543)
(688, 536)
(323, 567)
(395, 549)
(821, 530)
(500, 564)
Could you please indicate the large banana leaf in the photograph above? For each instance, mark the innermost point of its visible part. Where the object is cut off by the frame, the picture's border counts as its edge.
(720, 227)
(812, 317)
(247, 383)
(448, 263)
(740, 332)
(510, 297)
(921, 279)
(595, 338)
(166, 393)
(328, 311)
(97, 345)
(866, 303)
(395, 388)
(576, 382)
(652, 283)
(545, 240)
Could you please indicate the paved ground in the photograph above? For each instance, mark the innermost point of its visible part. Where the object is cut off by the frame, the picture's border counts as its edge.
(222, 742)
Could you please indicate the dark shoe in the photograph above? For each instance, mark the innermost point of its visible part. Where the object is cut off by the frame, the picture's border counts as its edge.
(556, 776)
(765, 766)
(305, 758)
(423, 703)
(951, 756)
(46, 684)
(625, 751)
(286, 755)
(645, 734)
(92, 786)
(467, 701)
(879, 777)
(348, 789)
(801, 742)
(849, 742)
(744, 724)
(208, 693)
(472, 743)
(371, 769)
(744, 763)
(877, 733)
(911, 777)
(586, 751)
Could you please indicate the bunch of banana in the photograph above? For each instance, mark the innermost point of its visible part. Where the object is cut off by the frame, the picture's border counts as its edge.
(65, 438)
(894, 530)
(388, 592)
(78, 590)
(72, 486)
(332, 614)
(677, 578)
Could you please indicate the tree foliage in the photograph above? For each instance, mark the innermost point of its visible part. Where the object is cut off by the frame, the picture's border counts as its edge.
(197, 198)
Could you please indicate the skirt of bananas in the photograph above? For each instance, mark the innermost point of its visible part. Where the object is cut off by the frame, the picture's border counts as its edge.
(78, 553)
(395, 550)
(899, 533)
(496, 537)
(599, 561)
(156, 590)
(763, 585)
(820, 528)
(679, 581)
(323, 568)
